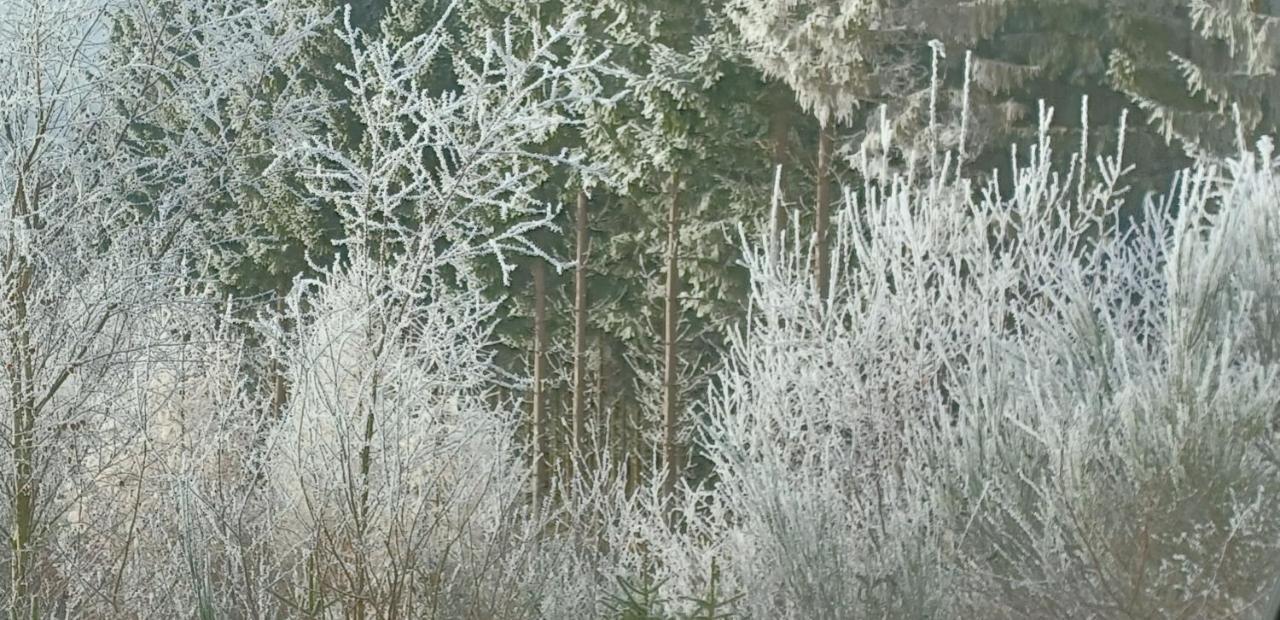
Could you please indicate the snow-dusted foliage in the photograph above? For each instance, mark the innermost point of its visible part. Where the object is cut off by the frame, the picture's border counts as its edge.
(1011, 406)
(821, 48)
(1006, 400)
(389, 461)
(834, 54)
(119, 383)
(394, 466)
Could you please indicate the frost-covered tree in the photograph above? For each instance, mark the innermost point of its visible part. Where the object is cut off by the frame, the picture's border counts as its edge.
(829, 54)
(101, 235)
(1214, 78)
(582, 186)
(673, 150)
(244, 127)
(837, 57)
(535, 323)
(394, 467)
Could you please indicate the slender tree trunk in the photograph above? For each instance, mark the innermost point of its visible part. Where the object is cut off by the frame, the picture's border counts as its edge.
(630, 416)
(608, 419)
(670, 382)
(541, 445)
(779, 130)
(21, 373)
(361, 509)
(580, 327)
(278, 387)
(822, 262)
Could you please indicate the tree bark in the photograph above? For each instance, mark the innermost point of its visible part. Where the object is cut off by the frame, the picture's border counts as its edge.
(279, 390)
(779, 130)
(822, 262)
(541, 456)
(20, 368)
(607, 419)
(670, 387)
(580, 327)
(22, 392)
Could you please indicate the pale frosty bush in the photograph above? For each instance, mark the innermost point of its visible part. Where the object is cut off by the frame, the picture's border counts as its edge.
(1013, 405)
(388, 463)
(1132, 420)
(164, 478)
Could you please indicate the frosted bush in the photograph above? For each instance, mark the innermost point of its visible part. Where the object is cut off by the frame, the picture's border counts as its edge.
(1133, 426)
(388, 460)
(163, 476)
(1011, 404)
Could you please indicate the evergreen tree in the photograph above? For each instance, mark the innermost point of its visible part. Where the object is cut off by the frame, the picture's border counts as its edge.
(1204, 71)
(840, 58)
(674, 146)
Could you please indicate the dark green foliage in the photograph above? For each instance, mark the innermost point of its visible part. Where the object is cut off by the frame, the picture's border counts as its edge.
(636, 599)
(640, 599)
(714, 604)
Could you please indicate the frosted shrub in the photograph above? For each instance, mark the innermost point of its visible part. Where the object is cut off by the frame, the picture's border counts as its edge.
(388, 460)
(1012, 404)
(1134, 423)
(818, 427)
(160, 479)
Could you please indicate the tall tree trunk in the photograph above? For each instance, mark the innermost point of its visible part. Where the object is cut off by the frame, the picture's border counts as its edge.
(20, 368)
(279, 389)
(23, 601)
(607, 419)
(630, 452)
(670, 381)
(580, 327)
(779, 130)
(822, 262)
(541, 446)
(363, 581)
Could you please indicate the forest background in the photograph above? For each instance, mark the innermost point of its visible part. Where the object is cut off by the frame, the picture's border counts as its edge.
(393, 306)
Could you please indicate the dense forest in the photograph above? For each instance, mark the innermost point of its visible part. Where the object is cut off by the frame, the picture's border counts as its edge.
(639, 309)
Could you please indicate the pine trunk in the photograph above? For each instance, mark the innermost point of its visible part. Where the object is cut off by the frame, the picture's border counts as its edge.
(541, 445)
(580, 327)
(279, 390)
(779, 130)
(822, 262)
(630, 449)
(20, 367)
(670, 387)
